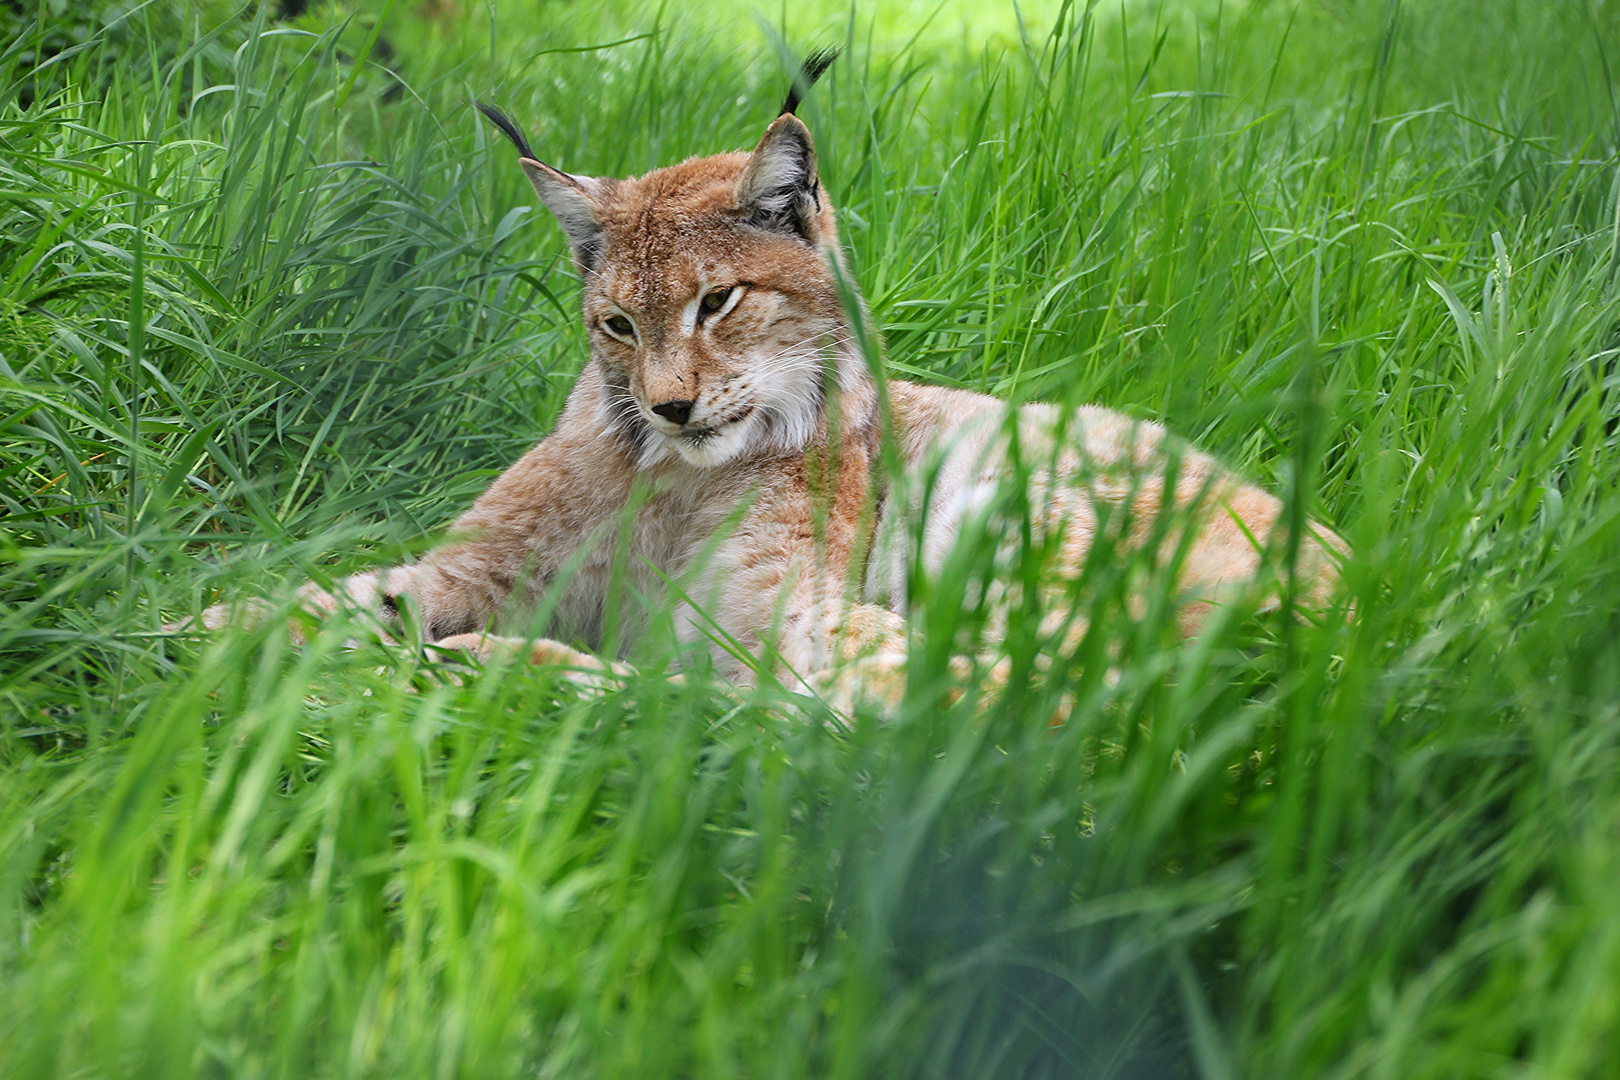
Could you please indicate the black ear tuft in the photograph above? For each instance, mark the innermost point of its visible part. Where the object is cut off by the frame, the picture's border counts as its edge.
(809, 71)
(572, 199)
(508, 127)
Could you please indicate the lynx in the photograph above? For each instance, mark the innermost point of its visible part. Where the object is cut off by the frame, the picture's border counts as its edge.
(727, 396)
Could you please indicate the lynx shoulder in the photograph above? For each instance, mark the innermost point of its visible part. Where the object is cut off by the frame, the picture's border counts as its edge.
(726, 394)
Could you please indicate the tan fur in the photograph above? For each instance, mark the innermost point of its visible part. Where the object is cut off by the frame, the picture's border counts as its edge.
(764, 504)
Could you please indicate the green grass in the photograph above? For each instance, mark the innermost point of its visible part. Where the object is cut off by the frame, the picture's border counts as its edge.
(269, 311)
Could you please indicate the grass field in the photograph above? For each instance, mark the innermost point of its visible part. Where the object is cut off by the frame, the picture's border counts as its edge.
(276, 305)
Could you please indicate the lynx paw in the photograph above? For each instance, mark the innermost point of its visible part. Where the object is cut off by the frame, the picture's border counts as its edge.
(877, 681)
(880, 682)
(581, 669)
(244, 615)
(369, 599)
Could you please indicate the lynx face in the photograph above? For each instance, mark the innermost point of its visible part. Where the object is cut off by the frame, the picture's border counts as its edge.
(708, 297)
(710, 331)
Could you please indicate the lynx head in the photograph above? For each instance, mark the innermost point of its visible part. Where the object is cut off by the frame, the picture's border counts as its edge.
(708, 293)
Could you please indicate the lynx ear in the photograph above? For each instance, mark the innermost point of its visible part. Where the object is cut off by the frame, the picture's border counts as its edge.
(778, 189)
(572, 200)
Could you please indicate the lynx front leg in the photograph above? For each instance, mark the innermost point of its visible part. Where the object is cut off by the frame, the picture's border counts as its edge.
(507, 545)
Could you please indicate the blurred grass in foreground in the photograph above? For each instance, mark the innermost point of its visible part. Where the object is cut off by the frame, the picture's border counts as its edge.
(270, 309)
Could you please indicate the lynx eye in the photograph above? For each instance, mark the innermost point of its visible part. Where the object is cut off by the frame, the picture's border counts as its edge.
(619, 326)
(715, 300)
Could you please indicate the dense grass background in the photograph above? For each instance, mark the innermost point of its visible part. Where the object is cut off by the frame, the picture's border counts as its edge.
(274, 305)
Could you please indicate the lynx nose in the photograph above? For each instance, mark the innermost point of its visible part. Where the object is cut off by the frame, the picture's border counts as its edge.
(676, 412)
